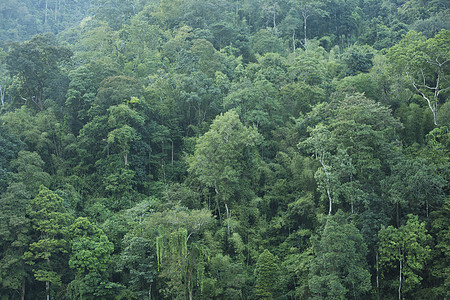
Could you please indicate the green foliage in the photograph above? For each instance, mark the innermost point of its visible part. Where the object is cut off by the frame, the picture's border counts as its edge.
(181, 255)
(24, 18)
(265, 41)
(15, 235)
(406, 250)
(339, 269)
(267, 275)
(50, 221)
(358, 60)
(114, 91)
(187, 137)
(90, 257)
(355, 146)
(224, 157)
(9, 147)
(416, 185)
(226, 279)
(426, 65)
(82, 90)
(35, 65)
(138, 260)
(440, 254)
(28, 169)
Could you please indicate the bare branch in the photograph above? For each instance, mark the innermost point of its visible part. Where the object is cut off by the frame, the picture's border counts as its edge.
(438, 92)
(187, 239)
(443, 63)
(428, 87)
(424, 96)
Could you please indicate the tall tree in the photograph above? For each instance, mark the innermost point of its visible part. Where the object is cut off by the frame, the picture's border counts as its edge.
(36, 64)
(138, 260)
(9, 147)
(15, 235)
(50, 221)
(355, 145)
(225, 158)
(267, 275)
(90, 256)
(339, 268)
(405, 250)
(28, 169)
(426, 64)
(307, 9)
(180, 252)
(441, 252)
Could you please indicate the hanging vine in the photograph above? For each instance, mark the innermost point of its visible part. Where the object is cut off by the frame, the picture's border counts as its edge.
(173, 244)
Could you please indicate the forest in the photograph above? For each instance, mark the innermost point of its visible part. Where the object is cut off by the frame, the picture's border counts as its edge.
(224, 149)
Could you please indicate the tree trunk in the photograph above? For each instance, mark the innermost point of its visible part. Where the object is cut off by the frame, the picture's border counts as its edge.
(47, 283)
(328, 185)
(398, 215)
(22, 296)
(2, 93)
(330, 201)
(172, 152)
(400, 276)
(293, 39)
(56, 10)
(432, 103)
(435, 113)
(304, 30)
(47, 289)
(378, 274)
(228, 220)
(46, 11)
(189, 285)
(218, 205)
(274, 17)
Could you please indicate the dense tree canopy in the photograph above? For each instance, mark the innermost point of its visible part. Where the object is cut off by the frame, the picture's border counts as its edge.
(279, 149)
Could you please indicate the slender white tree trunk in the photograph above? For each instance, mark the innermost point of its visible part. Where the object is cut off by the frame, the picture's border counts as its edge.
(47, 289)
(293, 39)
(400, 275)
(228, 220)
(22, 296)
(378, 272)
(330, 200)
(46, 11)
(2, 93)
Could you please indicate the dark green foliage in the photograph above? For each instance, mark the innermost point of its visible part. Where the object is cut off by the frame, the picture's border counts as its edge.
(440, 279)
(406, 250)
(137, 260)
(339, 268)
(84, 83)
(24, 18)
(267, 275)
(358, 60)
(35, 65)
(114, 91)
(50, 221)
(187, 149)
(356, 149)
(225, 159)
(28, 169)
(9, 147)
(15, 235)
(90, 257)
